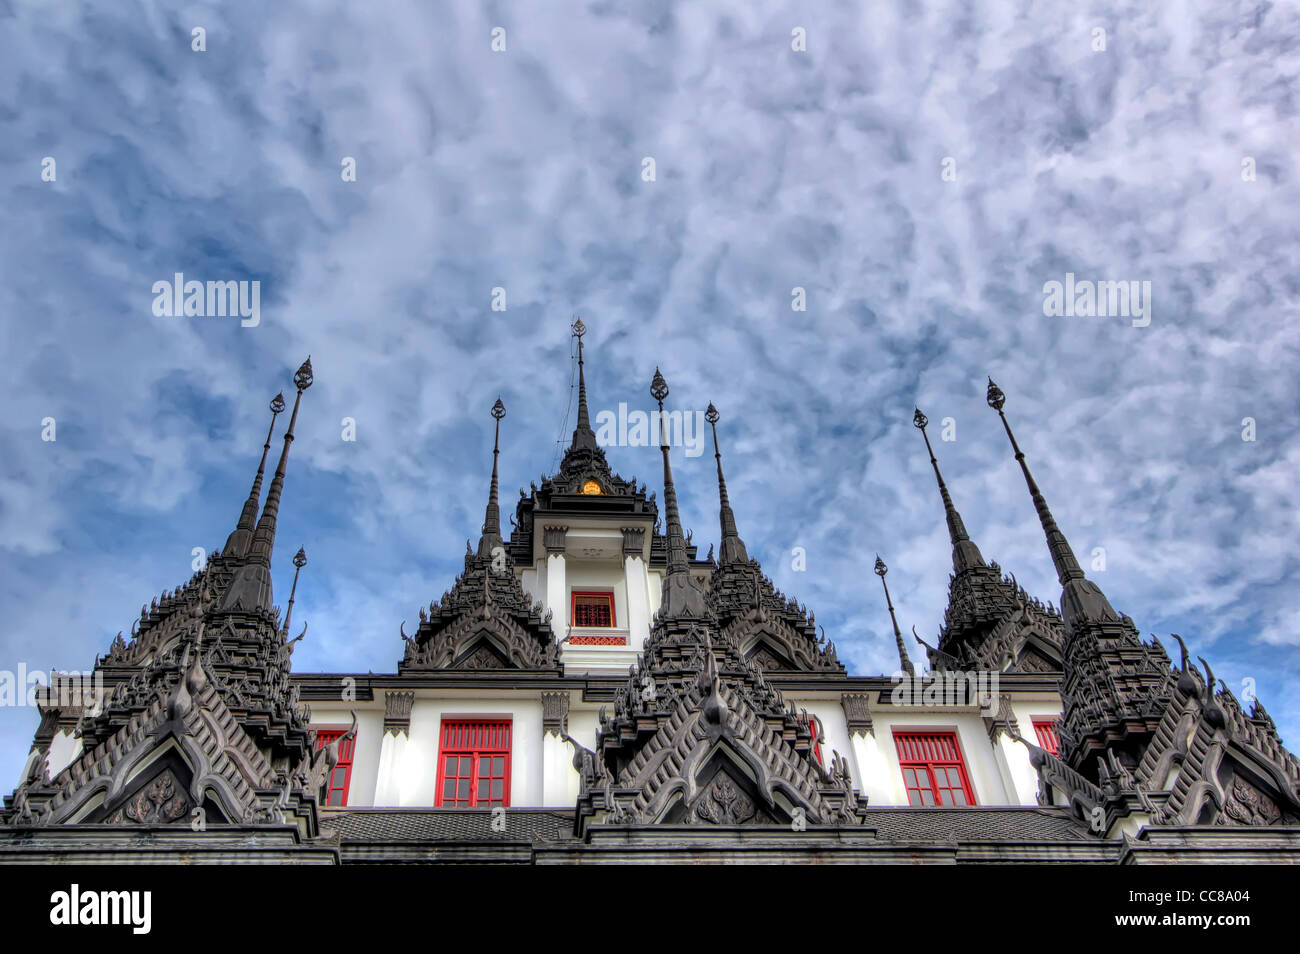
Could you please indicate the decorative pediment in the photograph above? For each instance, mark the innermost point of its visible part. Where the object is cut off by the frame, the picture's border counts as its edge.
(486, 621)
(714, 759)
(475, 642)
(185, 751)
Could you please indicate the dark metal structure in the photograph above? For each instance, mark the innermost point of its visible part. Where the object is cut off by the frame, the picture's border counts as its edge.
(203, 749)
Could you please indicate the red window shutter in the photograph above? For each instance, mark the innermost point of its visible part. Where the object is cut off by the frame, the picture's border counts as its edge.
(1046, 732)
(815, 730)
(473, 763)
(336, 786)
(934, 772)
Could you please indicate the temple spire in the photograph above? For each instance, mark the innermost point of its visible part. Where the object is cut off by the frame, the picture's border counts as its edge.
(299, 561)
(680, 596)
(965, 553)
(583, 436)
(491, 538)
(239, 539)
(733, 548)
(250, 590)
(1081, 600)
(903, 658)
(264, 538)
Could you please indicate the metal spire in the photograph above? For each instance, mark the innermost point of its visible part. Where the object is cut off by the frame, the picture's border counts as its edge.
(680, 597)
(733, 548)
(965, 553)
(250, 591)
(1080, 598)
(299, 561)
(491, 537)
(239, 539)
(583, 436)
(264, 538)
(903, 658)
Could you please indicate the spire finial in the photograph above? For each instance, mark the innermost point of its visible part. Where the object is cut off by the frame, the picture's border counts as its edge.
(583, 436)
(680, 598)
(491, 537)
(1081, 599)
(676, 542)
(903, 658)
(299, 561)
(733, 548)
(250, 591)
(965, 553)
(264, 537)
(239, 539)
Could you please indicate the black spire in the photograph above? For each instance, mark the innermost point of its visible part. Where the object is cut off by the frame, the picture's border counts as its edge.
(250, 590)
(491, 537)
(1081, 599)
(299, 561)
(733, 548)
(680, 597)
(239, 539)
(903, 658)
(584, 438)
(264, 537)
(965, 554)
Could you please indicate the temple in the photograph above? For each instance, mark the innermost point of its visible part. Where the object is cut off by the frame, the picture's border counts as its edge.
(590, 688)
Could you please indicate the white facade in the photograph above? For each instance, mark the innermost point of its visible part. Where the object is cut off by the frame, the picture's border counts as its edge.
(399, 767)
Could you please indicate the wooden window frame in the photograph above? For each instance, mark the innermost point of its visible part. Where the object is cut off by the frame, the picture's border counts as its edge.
(325, 734)
(905, 739)
(475, 749)
(1045, 730)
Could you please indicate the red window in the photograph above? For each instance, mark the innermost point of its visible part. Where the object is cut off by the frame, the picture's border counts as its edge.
(593, 609)
(336, 786)
(1046, 732)
(933, 770)
(474, 763)
(815, 729)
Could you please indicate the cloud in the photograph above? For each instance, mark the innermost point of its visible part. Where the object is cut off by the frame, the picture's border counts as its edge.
(775, 169)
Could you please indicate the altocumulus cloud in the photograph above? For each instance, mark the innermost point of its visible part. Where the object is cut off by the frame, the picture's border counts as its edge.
(775, 169)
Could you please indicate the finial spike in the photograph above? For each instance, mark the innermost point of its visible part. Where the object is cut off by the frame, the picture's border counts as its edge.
(965, 554)
(240, 538)
(904, 660)
(733, 548)
(491, 537)
(1081, 599)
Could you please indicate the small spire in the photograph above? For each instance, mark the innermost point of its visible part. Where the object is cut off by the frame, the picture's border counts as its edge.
(491, 537)
(239, 539)
(264, 538)
(1081, 600)
(903, 658)
(733, 548)
(299, 561)
(250, 591)
(965, 553)
(583, 436)
(680, 597)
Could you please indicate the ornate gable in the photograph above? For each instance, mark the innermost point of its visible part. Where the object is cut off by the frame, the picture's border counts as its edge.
(486, 621)
(778, 634)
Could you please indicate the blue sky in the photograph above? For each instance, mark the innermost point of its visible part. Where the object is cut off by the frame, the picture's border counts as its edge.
(775, 168)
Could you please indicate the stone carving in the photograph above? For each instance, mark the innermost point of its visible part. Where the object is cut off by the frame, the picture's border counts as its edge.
(723, 803)
(1247, 805)
(397, 712)
(161, 802)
